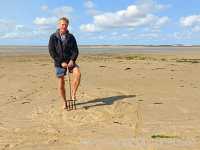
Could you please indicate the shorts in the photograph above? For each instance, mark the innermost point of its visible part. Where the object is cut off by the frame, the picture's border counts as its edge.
(62, 71)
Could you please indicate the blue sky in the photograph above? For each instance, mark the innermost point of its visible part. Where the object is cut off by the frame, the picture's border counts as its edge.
(156, 22)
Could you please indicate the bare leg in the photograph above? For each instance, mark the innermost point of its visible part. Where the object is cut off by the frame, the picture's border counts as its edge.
(76, 81)
(61, 88)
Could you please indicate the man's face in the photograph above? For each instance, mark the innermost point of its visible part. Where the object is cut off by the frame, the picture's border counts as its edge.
(63, 26)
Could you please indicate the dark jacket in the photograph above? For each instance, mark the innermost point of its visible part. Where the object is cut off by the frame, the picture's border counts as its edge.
(62, 51)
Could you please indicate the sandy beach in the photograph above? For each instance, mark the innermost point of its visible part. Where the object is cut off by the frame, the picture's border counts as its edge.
(129, 101)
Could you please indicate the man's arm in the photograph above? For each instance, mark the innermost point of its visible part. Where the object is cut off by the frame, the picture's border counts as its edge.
(52, 50)
(74, 50)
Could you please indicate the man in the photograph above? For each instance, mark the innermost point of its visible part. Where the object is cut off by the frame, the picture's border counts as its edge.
(64, 51)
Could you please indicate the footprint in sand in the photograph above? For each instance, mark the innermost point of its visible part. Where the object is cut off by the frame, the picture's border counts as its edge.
(108, 108)
(128, 114)
(158, 103)
(183, 110)
(91, 116)
(127, 68)
(25, 102)
(2, 75)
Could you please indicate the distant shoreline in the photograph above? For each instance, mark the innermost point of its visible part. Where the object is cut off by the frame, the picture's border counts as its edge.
(102, 45)
(99, 49)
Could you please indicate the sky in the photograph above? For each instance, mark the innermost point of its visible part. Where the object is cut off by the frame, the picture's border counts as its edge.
(114, 22)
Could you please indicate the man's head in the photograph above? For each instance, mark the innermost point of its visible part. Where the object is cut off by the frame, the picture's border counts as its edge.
(63, 24)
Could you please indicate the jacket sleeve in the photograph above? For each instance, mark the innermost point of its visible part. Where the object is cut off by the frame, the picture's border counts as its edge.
(74, 50)
(52, 50)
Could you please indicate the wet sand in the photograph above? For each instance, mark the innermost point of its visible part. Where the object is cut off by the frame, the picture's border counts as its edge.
(141, 101)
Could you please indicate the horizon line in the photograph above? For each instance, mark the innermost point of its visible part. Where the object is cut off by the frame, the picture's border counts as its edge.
(173, 45)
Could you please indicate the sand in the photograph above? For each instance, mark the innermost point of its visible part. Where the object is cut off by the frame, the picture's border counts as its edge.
(147, 101)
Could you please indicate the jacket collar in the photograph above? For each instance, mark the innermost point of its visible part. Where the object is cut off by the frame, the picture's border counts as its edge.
(58, 33)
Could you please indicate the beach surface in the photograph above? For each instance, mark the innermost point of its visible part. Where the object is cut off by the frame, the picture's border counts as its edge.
(129, 101)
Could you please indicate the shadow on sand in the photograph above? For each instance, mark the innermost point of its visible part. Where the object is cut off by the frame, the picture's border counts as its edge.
(104, 101)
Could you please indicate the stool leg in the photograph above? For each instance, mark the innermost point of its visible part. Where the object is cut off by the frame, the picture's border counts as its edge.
(74, 102)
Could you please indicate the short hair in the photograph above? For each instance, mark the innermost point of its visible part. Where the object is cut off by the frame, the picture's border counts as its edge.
(64, 19)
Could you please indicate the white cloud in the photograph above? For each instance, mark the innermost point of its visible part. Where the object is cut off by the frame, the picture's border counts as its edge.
(43, 25)
(192, 22)
(46, 25)
(10, 35)
(182, 35)
(148, 36)
(17, 35)
(196, 29)
(90, 28)
(89, 4)
(55, 14)
(62, 11)
(114, 33)
(133, 16)
(42, 21)
(161, 21)
(25, 34)
(44, 7)
(11, 30)
(19, 27)
(150, 6)
(7, 25)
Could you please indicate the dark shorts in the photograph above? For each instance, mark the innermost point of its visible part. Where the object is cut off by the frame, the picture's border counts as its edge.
(62, 71)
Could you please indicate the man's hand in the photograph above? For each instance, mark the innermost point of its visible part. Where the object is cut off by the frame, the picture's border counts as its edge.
(64, 65)
(71, 64)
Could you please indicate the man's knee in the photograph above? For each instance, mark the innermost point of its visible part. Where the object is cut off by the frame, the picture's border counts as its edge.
(77, 72)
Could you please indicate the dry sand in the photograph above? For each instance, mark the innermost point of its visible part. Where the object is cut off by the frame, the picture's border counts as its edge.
(130, 101)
